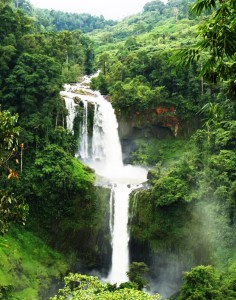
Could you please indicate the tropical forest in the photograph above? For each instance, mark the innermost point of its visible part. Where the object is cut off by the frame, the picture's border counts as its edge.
(117, 153)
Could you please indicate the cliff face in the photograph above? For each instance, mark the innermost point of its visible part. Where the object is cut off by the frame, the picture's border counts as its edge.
(154, 119)
(159, 123)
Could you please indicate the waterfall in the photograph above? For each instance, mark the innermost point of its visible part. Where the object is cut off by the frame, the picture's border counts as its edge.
(111, 204)
(105, 157)
(134, 206)
(84, 133)
(120, 236)
(70, 106)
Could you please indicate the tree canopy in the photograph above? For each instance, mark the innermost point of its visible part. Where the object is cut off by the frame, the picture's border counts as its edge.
(86, 287)
(12, 207)
(217, 40)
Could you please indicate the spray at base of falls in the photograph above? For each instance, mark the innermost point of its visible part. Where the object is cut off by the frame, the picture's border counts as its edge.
(105, 157)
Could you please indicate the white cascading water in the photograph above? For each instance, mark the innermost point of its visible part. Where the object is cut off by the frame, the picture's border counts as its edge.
(83, 151)
(105, 157)
(111, 205)
(120, 235)
(70, 106)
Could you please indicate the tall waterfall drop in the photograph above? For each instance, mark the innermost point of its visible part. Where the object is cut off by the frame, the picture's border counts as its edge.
(84, 133)
(105, 157)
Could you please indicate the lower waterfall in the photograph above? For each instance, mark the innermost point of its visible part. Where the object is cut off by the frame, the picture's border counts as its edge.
(105, 157)
(120, 236)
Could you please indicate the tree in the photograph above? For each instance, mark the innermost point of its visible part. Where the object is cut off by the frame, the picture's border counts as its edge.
(47, 20)
(169, 189)
(201, 283)
(12, 207)
(154, 6)
(104, 62)
(12, 210)
(134, 95)
(9, 133)
(137, 273)
(82, 287)
(217, 40)
(24, 5)
(33, 88)
(5, 2)
(70, 212)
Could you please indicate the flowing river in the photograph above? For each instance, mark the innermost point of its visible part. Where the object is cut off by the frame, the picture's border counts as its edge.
(102, 152)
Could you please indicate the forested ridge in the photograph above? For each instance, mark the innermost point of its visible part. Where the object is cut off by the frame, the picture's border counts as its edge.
(51, 20)
(169, 69)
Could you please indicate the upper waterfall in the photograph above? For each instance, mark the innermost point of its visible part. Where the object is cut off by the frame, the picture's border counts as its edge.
(104, 154)
(70, 106)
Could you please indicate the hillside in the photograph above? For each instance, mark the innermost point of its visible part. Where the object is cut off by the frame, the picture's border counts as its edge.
(155, 21)
(51, 20)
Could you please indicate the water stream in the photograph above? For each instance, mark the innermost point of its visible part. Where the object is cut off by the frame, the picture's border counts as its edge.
(105, 157)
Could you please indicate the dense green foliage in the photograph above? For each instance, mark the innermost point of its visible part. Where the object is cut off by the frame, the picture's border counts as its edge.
(38, 170)
(20, 37)
(140, 73)
(34, 70)
(34, 65)
(159, 152)
(64, 180)
(203, 282)
(154, 13)
(47, 20)
(190, 209)
(9, 133)
(85, 287)
(217, 41)
(28, 266)
(137, 273)
(51, 20)
(12, 207)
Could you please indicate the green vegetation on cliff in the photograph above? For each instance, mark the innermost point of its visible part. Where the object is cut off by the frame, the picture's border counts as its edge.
(189, 212)
(42, 185)
(28, 266)
(141, 73)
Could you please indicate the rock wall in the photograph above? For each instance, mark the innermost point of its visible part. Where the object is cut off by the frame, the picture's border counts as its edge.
(159, 123)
